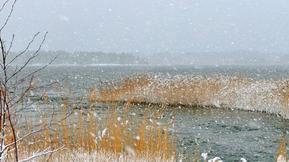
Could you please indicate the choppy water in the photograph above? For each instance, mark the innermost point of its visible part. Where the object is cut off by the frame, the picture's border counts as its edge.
(230, 134)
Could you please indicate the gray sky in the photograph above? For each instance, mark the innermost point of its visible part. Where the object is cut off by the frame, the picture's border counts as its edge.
(149, 26)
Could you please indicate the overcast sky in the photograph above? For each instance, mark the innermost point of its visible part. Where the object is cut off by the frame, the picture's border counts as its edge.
(149, 26)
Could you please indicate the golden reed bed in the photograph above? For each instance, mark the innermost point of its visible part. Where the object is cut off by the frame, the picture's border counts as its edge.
(271, 96)
(83, 136)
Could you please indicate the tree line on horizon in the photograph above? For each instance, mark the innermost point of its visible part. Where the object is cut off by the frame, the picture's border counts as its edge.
(81, 58)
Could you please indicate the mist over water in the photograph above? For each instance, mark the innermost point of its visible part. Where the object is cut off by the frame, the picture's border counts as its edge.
(148, 28)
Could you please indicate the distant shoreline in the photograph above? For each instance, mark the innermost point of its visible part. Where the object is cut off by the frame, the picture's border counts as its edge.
(154, 65)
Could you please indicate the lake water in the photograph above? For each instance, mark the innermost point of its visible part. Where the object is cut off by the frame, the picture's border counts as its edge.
(229, 133)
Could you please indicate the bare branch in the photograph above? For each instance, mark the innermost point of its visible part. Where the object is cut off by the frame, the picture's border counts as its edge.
(11, 44)
(2, 46)
(13, 133)
(22, 138)
(6, 103)
(3, 63)
(39, 69)
(3, 5)
(16, 99)
(9, 15)
(26, 49)
(35, 54)
(23, 94)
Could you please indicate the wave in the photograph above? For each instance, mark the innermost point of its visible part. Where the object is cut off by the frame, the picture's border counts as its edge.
(236, 92)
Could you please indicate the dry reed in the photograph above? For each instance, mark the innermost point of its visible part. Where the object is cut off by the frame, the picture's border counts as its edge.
(270, 96)
(117, 134)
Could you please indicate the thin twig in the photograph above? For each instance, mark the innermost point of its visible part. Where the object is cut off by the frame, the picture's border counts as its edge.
(35, 71)
(9, 15)
(26, 48)
(35, 54)
(22, 138)
(11, 44)
(3, 5)
(42, 153)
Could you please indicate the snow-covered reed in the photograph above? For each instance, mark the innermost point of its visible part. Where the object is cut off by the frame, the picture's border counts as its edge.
(235, 92)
